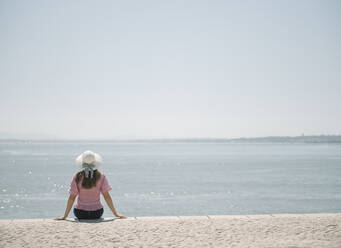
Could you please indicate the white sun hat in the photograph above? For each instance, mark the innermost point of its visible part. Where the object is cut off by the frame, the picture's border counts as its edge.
(89, 161)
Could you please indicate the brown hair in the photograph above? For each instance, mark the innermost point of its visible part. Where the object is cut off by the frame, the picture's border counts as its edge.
(88, 182)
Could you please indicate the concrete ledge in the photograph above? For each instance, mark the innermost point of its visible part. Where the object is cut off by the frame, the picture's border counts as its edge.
(185, 217)
(257, 231)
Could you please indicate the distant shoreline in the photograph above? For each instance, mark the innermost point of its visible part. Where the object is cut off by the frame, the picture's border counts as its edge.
(316, 139)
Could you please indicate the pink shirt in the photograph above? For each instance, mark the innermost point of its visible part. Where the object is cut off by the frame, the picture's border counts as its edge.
(89, 199)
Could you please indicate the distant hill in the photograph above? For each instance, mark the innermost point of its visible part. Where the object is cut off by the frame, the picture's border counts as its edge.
(270, 139)
(290, 139)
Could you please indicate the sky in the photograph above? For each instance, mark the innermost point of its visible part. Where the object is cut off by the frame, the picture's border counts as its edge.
(169, 69)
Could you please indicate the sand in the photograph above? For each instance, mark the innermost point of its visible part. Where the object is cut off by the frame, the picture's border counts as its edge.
(285, 230)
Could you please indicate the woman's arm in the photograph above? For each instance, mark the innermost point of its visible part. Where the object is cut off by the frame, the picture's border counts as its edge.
(108, 199)
(68, 207)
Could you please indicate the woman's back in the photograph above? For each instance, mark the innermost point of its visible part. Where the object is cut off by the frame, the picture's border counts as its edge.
(89, 198)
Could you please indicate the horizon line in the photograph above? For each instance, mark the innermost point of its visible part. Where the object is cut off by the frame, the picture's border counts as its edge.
(188, 139)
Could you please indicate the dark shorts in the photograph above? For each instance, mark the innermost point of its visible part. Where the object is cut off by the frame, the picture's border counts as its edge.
(83, 214)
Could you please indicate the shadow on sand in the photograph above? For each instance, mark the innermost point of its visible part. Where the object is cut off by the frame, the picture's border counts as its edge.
(75, 220)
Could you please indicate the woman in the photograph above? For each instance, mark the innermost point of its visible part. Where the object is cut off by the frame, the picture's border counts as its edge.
(87, 184)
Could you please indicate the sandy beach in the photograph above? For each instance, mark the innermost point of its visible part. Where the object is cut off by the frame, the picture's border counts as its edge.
(281, 230)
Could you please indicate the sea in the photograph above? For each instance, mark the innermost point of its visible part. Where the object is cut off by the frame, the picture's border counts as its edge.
(175, 179)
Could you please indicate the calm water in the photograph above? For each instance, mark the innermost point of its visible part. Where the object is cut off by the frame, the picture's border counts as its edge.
(176, 179)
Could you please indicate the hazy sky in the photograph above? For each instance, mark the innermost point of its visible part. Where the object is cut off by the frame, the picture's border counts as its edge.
(108, 69)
